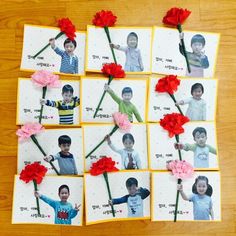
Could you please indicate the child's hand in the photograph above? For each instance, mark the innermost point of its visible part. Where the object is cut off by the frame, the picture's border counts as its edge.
(47, 158)
(52, 42)
(110, 202)
(178, 146)
(202, 54)
(107, 88)
(37, 194)
(181, 35)
(43, 101)
(77, 207)
(179, 103)
(108, 139)
(180, 187)
(112, 45)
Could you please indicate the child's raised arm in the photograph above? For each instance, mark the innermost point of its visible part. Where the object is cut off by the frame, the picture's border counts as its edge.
(183, 195)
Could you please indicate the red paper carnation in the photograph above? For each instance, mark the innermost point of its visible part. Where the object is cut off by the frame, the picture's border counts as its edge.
(176, 16)
(173, 123)
(104, 19)
(168, 84)
(67, 27)
(114, 70)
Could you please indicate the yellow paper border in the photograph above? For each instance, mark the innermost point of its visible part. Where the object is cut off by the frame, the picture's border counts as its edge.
(117, 219)
(78, 125)
(57, 73)
(121, 27)
(194, 31)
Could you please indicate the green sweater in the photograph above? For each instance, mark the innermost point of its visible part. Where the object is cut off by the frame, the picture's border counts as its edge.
(126, 107)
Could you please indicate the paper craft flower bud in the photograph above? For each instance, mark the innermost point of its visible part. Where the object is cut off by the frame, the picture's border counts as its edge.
(43, 78)
(67, 28)
(104, 19)
(105, 164)
(173, 123)
(181, 169)
(29, 129)
(176, 16)
(113, 70)
(167, 84)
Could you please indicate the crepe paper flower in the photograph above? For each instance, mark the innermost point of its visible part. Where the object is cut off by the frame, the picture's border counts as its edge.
(45, 79)
(181, 170)
(28, 131)
(113, 71)
(103, 166)
(34, 172)
(66, 27)
(169, 84)
(106, 19)
(121, 122)
(173, 123)
(176, 17)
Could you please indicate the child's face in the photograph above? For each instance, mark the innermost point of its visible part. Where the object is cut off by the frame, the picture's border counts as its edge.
(197, 93)
(132, 189)
(64, 194)
(67, 96)
(200, 139)
(128, 143)
(132, 41)
(65, 147)
(69, 47)
(197, 47)
(201, 187)
(127, 97)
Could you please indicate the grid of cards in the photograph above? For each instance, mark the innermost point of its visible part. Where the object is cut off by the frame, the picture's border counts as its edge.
(143, 188)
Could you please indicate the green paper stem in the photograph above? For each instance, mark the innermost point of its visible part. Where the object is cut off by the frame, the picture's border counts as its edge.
(103, 95)
(109, 40)
(179, 151)
(112, 132)
(41, 110)
(173, 98)
(37, 200)
(43, 152)
(109, 192)
(177, 202)
(59, 35)
(179, 27)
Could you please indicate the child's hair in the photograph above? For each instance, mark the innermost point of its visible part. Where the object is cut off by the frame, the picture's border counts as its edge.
(127, 90)
(70, 41)
(209, 190)
(133, 34)
(64, 139)
(63, 186)
(67, 88)
(200, 130)
(198, 38)
(128, 136)
(131, 181)
(196, 86)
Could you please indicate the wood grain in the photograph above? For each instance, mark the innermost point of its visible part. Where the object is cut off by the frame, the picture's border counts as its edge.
(207, 15)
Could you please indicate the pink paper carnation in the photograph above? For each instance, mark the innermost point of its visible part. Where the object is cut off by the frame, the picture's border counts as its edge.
(122, 121)
(29, 129)
(180, 169)
(43, 78)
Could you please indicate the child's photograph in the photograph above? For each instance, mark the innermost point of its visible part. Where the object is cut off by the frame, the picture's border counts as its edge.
(127, 96)
(60, 201)
(130, 197)
(62, 55)
(199, 197)
(168, 53)
(198, 146)
(128, 150)
(63, 147)
(197, 100)
(60, 106)
(131, 45)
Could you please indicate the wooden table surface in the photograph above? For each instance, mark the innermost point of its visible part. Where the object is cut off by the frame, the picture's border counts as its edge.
(207, 15)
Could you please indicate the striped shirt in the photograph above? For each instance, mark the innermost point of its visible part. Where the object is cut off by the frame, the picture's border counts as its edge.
(69, 64)
(65, 110)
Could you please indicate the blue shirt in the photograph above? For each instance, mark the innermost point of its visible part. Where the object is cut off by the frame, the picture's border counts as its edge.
(69, 64)
(64, 212)
(202, 205)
